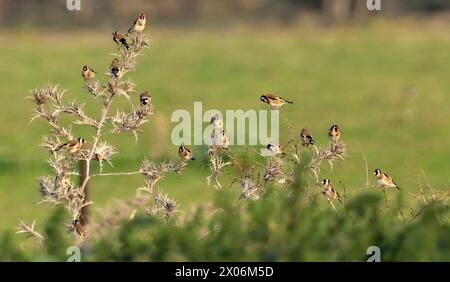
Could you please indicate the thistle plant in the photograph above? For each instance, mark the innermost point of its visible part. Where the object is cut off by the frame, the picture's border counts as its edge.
(250, 189)
(60, 188)
(331, 154)
(29, 230)
(217, 144)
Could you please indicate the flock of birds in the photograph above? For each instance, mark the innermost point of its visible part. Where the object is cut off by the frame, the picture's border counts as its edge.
(334, 134)
(275, 102)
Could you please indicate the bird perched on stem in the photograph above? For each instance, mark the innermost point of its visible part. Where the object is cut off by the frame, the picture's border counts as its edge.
(224, 141)
(138, 24)
(72, 146)
(185, 153)
(87, 72)
(275, 149)
(334, 134)
(384, 181)
(217, 121)
(306, 138)
(119, 39)
(78, 228)
(115, 68)
(145, 98)
(329, 191)
(274, 101)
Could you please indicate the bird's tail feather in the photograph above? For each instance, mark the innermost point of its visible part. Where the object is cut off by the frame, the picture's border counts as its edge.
(59, 147)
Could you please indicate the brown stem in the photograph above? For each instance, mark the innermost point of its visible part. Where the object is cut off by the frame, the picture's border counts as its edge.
(84, 214)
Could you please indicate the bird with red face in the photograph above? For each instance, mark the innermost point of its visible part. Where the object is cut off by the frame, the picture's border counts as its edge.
(87, 72)
(138, 24)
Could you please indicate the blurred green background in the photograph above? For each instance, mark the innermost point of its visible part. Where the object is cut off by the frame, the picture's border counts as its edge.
(382, 76)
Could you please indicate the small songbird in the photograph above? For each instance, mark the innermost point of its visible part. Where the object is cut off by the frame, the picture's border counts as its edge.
(274, 101)
(334, 134)
(145, 98)
(217, 121)
(72, 146)
(383, 180)
(87, 72)
(225, 142)
(275, 149)
(306, 138)
(78, 228)
(118, 38)
(115, 68)
(185, 153)
(138, 24)
(329, 191)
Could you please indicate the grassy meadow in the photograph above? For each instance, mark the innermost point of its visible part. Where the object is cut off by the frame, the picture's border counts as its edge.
(386, 84)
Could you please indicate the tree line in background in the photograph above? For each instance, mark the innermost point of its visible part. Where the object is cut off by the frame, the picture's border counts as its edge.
(54, 13)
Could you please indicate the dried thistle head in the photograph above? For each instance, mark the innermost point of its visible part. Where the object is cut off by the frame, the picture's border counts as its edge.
(250, 190)
(130, 121)
(162, 204)
(331, 154)
(216, 164)
(117, 88)
(138, 41)
(104, 152)
(45, 93)
(29, 230)
(273, 170)
(93, 86)
(49, 144)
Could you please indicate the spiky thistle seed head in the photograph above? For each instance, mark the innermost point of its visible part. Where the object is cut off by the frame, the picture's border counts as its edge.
(273, 170)
(162, 203)
(104, 152)
(45, 93)
(249, 189)
(29, 230)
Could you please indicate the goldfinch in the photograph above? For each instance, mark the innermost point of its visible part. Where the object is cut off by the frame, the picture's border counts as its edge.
(225, 142)
(306, 138)
(334, 134)
(145, 98)
(384, 181)
(138, 24)
(217, 121)
(115, 68)
(72, 146)
(275, 149)
(185, 153)
(87, 72)
(274, 101)
(119, 39)
(329, 191)
(78, 228)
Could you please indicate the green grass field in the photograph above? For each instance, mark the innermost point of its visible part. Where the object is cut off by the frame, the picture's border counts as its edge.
(353, 76)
